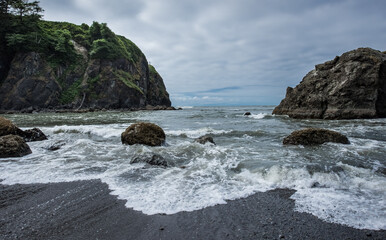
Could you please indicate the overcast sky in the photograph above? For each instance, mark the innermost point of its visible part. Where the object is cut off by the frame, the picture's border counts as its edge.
(233, 52)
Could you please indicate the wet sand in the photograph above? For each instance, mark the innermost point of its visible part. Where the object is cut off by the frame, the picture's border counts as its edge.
(86, 210)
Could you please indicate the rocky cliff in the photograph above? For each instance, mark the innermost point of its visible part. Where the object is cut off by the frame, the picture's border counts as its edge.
(107, 71)
(347, 87)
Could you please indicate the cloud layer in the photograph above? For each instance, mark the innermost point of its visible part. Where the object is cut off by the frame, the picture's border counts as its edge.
(225, 52)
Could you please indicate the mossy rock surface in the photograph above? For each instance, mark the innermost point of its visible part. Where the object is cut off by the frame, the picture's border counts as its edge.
(314, 136)
(7, 127)
(143, 133)
(13, 146)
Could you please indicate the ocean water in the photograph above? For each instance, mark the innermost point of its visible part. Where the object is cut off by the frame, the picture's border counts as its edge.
(343, 184)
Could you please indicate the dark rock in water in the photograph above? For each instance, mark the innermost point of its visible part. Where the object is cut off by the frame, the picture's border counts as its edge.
(247, 114)
(33, 135)
(315, 185)
(152, 159)
(13, 146)
(56, 146)
(348, 87)
(381, 170)
(314, 136)
(143, 133)
(205, 139)
(7, 128)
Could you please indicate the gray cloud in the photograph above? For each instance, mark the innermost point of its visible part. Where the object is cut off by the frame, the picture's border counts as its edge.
(259, 47)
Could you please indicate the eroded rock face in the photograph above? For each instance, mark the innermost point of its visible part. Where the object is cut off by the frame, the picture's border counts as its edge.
(157, 94)
(348, 87)
(32, 83)
(143, 133)
(314, 136)
(13, 146)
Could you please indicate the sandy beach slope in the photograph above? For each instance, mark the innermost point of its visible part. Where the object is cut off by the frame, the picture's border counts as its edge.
(86, 210)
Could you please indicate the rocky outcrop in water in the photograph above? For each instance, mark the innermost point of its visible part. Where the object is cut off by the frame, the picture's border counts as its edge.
(30, 135)
(7, 127)
(152, 159)
(314, 136)
(143, 133)
(34, 134)
(13, 146)
(348, 87)
(204, 139)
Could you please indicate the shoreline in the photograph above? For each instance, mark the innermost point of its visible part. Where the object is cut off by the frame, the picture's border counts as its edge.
(87, 110)
(86, 210)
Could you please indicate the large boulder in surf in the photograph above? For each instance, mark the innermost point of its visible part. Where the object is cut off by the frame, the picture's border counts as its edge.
(347, 87)
(30, 135)
(13, 146)
(7, 127)
(143, 133)
(314, 136)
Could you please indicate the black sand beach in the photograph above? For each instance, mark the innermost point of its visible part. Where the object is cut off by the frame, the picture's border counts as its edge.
(86, 210)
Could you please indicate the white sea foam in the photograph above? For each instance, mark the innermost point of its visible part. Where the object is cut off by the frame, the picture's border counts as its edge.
(196, 132)
(106, 131)
(205, 175)
(206, 181)
(259, 115)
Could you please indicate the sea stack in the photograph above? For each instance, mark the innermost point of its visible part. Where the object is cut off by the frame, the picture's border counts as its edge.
(96, 69)
(350, 86)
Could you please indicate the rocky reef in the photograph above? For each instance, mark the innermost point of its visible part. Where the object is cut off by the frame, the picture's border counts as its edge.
(314, 136)
(95, 69)
(13, 139)
(350, 86)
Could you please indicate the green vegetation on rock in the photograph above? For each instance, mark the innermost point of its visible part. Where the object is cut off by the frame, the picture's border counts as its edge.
(72, 65)
(152, 69)
(27, 32)
(71, 92)
(127, 79)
